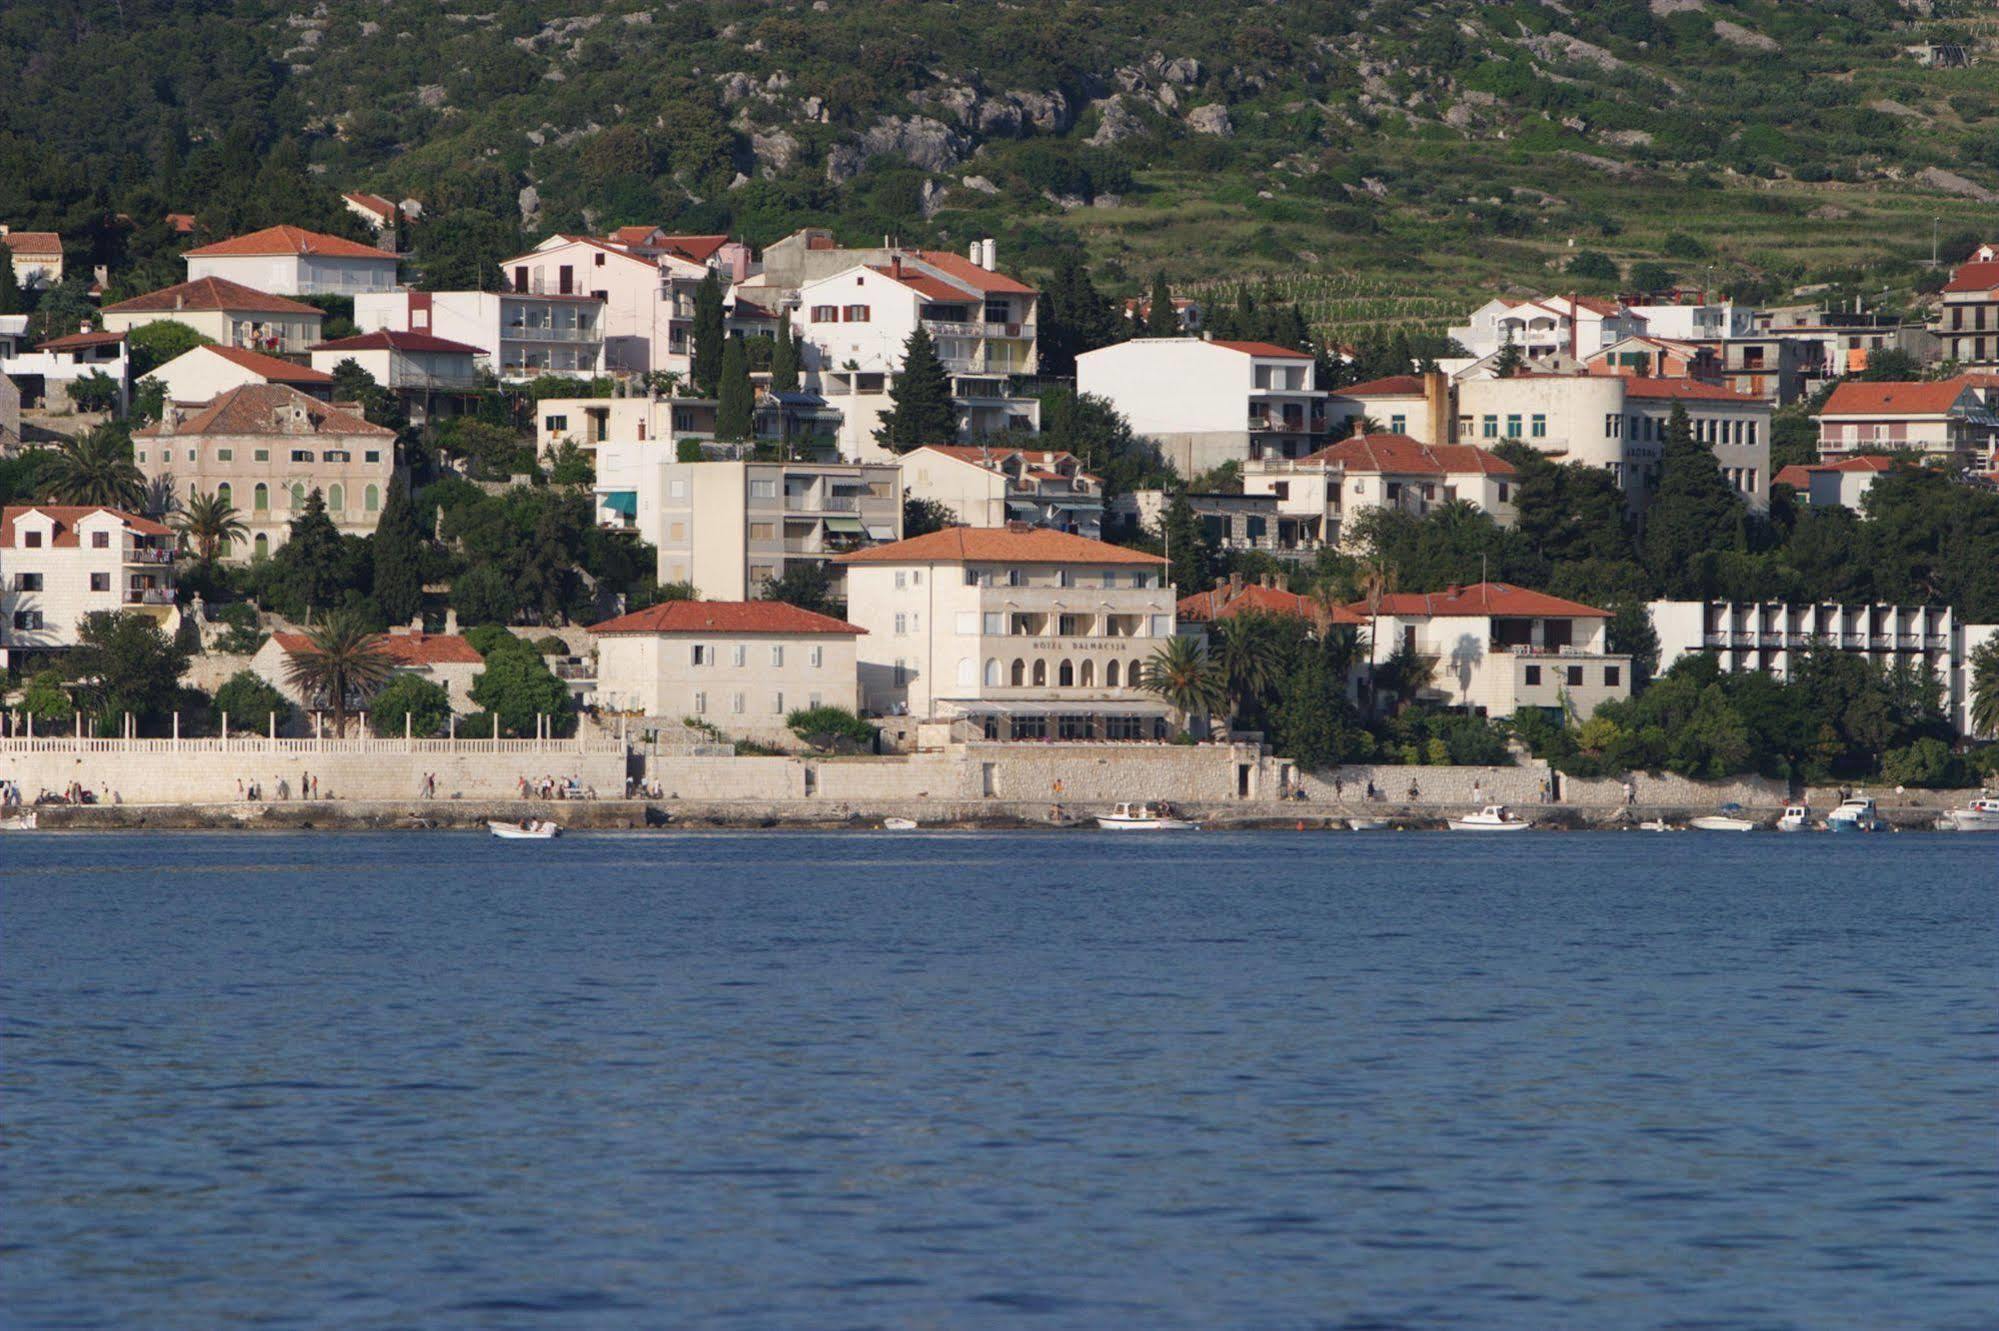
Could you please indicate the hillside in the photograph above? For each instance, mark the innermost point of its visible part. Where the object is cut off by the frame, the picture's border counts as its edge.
(1389, 156)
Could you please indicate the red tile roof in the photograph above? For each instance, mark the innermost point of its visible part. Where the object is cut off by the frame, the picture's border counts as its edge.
(922, 283)
(991, 457)
(1682, 390)
(78, 341)
(1395, 385)
(40, 244)
(1799, 477)
(251, 409)
(725, 617)
(373, 203)
(212, 293)
(1485, 598)
(1398, 454)
(958, 545)
(183, 223)
(405, 649)
(1974, 277)
(288, 240)
(1932, 398)
(387, 339)
(964, 270)
(694, 249)
(1270, 349)
(66, 517)
(1224, 603)
(271, 368)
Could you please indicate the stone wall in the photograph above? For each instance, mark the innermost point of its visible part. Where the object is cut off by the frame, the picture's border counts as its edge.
(1434, 785)
(1676, 791)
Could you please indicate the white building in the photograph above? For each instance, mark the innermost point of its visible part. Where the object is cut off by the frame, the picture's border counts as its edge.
(1026, 633)
(519, 336)
(200, 374)
(404, 362)
(445, 659)
(46, 374)
(1945, 419)
(741, 666)
(291, 261)
(647, 292)
(1498, 648)
(1777, 637)
(1618, 422)
(991, 486)
(60, 562)
(226, 313)
(1841, 484)
(731, 527)
(1319, 497)
(1698, 321)
(645, 418)
(852, 328)
(1210, 402)
(377, 212)
(36, 256)
(1546, 326)
(1415, 405)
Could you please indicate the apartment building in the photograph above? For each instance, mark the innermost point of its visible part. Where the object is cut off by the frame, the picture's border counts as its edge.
(1497, 648)
(1619, 422)
(1547, 326)
(265, 448)
(226, 313)
(1944, 420)
(291, 261)
(590, 422)
(1777, 637)
(990, 486)
(36, 256)
(1020, 632)
(1967, 323)
(519, 335)
(200, 374)
(1318, 498)
(1699, 320)
(742, 666)
(46, 374)
(1657, 358)
(60, 562)
(731, 527)
(404, 362)
(1207, 402)
(647, 290)
(1415, 405)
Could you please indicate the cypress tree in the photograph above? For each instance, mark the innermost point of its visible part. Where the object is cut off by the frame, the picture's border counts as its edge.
(398, 557)
(1075, 317)
(735, 416)
(1693, 511)
(10, 286)
(1160, 318)
(784, 360)
(708, 334)
(922, 411)
(1187, 546)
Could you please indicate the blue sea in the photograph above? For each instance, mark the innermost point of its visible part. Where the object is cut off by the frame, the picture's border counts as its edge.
(784, 1080)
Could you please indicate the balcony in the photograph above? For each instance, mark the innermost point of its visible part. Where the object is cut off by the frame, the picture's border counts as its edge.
(149, 596)
(944, 328)
(145, 554)
(545, 333)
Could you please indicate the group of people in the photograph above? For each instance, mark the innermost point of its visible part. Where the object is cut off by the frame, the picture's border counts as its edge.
(253, 790)
(649, 790)
(556, 788)
(74, 793)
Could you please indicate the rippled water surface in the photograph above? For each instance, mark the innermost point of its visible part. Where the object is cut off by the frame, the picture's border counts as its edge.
(1067, 1080)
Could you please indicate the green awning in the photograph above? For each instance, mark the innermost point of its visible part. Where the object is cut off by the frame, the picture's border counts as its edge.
(620, 501)
(846, 526)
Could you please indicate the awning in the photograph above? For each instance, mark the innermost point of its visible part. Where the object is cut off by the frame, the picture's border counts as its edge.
(1022, 506)
(1079, 506)
(846, 526)
(620, 501)
(881, 533)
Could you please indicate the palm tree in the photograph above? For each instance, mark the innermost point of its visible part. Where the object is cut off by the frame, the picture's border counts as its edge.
(210, 524)
(1377, 583)
(343, 660)
(1985, 688)
(161, 501)
(1405, 674)
(96, 468)
(1249, 658)
(1181, 674)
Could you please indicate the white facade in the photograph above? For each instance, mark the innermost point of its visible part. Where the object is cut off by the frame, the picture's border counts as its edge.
(648, 299)
(1708, 321)
(404, 362)
(519, 337)
(1552, 325)
(990, 487)
(1319, 497)
(289, 261)
(204, 372)
(59, 563)
(1498, 649)
(1207, 403)
(591, 422)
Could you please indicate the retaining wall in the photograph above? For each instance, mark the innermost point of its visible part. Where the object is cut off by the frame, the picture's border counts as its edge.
(1667, 789)
(1434, 785)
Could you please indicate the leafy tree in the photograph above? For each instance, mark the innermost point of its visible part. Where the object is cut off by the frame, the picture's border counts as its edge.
(1694, 511)
(1985, 688)
(735, 412)
(341, 666)
(1102, 440)
(1180, 673)
(1927, 763)
(708, 337)
(484, 594)
(805, 584)
(152, 345)
(1190, 561)
(1313, 723)
(495, 452)
(1890, 365)
(784, 360)
(95, 468)
(570, 465)
(249, 702)
(1161, 319)
(1075, 317)
(46, 699)
(921, 410)
(831, 729)
(1250, 655)
(1592, 266)
(410, 698)
(125, 663)
(517, 687)
(209, 524)
(1651, 276)
(398, 552)
(1510, 360)
(10, 286)
(461, 250)
(920, 517)
(96, 391)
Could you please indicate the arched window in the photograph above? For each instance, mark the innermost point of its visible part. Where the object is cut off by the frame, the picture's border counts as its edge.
(1019, 673)
(371, 498)
(260, 498)
(298, 494)
(1087, 676)
(967, 668)
(1110, 674)
(262, 547)
(224, 493)
(336, 499)
(992, 672)
(1065, 675)
(1040, 674)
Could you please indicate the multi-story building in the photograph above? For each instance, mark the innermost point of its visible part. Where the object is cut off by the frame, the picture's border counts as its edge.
(226, 313)
(520, 335)
(1547, 326)
(731, 527)
(1967, 323)
(1022, 632)
(445, 659)
(46, 374)
(1777, 637)
(1415, 405)
(590, 422)
(1943, 419)
(647, 292)
(1206, 403)
(1657, 358)
(37, 256)
(1840, 342)
(852, 328)
(200, 374)
(1269, 596)
(1619, 423)
(1771, 366)
(1228, 521)
(291, 261)
(1699, 320)
(1320, 496)
(1841, 484)
(265, 448)
(741, 666)
(990, 486)
(60, 562)
(1497, 648)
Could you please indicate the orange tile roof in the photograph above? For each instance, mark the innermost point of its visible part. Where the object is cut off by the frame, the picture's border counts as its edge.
(1799, 476)
(922, 283)
(66, 517)
(964, 270)
(1974, 277)
(405, 649)
(373, 203)
(78, 341)
(1224, 603)
(1398, 454)
(41, 244)
(1395, 385)
(1484, 598)
(1931, 398)
(288, 240)
(212, 293)
(251, 409)
(960, 545)
(726, 617)
(272, 368)
(388, 339)
(1694, 390)
(181, 222)
(694, 249)
(1270, 349)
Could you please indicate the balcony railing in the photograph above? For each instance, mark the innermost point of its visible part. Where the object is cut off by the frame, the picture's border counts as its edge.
(149, 596)
(545, 333)
(142, 554)
(945, 328)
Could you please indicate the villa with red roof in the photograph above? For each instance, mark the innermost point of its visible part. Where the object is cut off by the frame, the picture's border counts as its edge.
(414, 364)
(990, 485)
(1207, 402)
(1320, 496)
(60, 562)
(226, 313)
(204, 372)
(1968, 316)
(446, 659)
(291, 261)
(1841, 484)
(1941, 419)
(741, 666)
(1416, 405)
(37, 256)
(1574, 326)
(379, 213)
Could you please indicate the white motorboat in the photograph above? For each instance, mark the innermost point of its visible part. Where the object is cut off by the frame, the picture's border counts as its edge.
(898, 824)
(1855, 814)
(1368, 824)
(1492, 818)
(532, 829)
(1143, 818)
(1729, 819)
(1981, 815)
(20, 822)
(1797, 818)
(1656, 825)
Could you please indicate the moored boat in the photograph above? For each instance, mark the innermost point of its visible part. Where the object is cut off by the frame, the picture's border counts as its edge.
(898, 824)
(1368, 824)
(1855, 814)
(1981, 815)
(20, 822)
(1130, 817)
(1492, 818)
(528, 829)
(1797, 818)
(1729, 819)
(1656, 825)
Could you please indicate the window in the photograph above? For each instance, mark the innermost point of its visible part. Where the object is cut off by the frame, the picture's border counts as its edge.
(736, 704)
(100, 582)
(698, 655)
(260, 498)
(818, 658)
(142, 455)
(995, 622)
(32, 539)
(1490, 427)
(336, 499)
(1533, 674)
(901, 672)
(1575, 677)
(825, 314)
(1538, 426)
(763, 531)
(555, 424)
(1398, 424)
(812, 701)
(777, 703)
(916, 577)
(739, 655)
(765, 489)
(1613, 427)
(100, 540)
(225, 455)
(1502, 492)
(261, 455)
(700, 703)
(854, 314)
(1612, 676)
(901, 579)
(371, 498)
(901, 625)
(777, 656)
(676, 531)
(261, 546)
(28, 582)
(1162, 626)
(992, 672)
(27, 619)
(677, 489)
(301, 455)
(1512, 427)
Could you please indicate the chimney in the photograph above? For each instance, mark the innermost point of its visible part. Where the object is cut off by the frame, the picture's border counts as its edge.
(450, 622)
(1235, 584)
(180, 300)
(1437, 405)
(895, 265)
(976, 252)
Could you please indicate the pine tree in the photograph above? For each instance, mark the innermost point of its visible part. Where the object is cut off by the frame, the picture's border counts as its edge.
(398, 557)
(10, 286)
(309, 567)
(1075, 317)
(1161, 319)
(922, 411)
(735, 415)
(1186, 546)
(708, 334)
(1693, 511)
(784, 360)
(1509, 360)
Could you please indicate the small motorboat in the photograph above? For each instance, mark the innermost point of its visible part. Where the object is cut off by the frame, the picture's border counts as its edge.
(1368, 824)
(1797, 818)
(1143, 818)
(20, 822)
(1492, 818)
(1656, 825)
(528, 829)
(1729, 819)
(899, 824)
(1854, 814)
(1981, 815)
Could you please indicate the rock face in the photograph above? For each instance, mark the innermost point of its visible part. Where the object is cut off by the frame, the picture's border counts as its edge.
(1737, 35)
(1118, 123)
(923, 142)
(530, 204)
(775, 151)
(1562, 46)
(1210, 119)
(1952, 183)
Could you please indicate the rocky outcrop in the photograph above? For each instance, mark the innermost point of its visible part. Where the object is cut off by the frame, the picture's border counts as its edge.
(1737, 35)
(1950, 182)
(923, 142)
(1211, 119)
(1117, 123)
(774, 151)
(1563, 46)
(530, 205)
